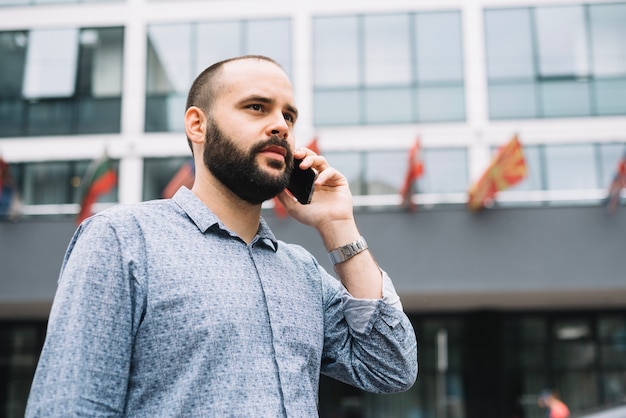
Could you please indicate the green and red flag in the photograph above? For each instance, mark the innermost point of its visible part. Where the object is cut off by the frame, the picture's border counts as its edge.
(99, 179)
(507, 168)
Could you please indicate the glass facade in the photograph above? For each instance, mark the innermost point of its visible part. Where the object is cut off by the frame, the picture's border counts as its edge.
(20, 344)
(38, 2)
(391, 68)
(570, 166)
(60, 81)
(582, 356)
(557, 61)
(177, 53)
(55, 182)
(550, 167)
(369, 70)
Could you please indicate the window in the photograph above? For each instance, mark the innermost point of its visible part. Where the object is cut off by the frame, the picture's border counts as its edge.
(61, 81)
(557, 61)
(54, 182)
(157, 173)
(391, 68)
(37, 2)
(177, 53)
(570, 166)
(382, 172)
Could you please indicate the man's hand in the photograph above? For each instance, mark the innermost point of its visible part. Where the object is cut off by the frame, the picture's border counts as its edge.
(332, 199)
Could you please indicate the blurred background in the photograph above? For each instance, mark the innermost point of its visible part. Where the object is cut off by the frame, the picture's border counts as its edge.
(503, 122)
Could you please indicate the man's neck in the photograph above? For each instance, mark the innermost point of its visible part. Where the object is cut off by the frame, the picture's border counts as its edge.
(238, 215)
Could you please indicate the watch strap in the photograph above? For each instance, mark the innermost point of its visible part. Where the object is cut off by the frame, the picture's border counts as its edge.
(346, 252)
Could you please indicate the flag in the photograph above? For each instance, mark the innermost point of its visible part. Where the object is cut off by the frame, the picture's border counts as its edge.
(313, 146)
(99, 179)
(615, 189)
(415, 168)
(185, 176)
(279, 209)
(507, 168)
(9, 196)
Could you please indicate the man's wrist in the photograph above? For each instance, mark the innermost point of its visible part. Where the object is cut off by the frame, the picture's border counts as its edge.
(346, 252)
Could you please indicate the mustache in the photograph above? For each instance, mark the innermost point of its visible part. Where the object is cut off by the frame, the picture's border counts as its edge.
(274, 141)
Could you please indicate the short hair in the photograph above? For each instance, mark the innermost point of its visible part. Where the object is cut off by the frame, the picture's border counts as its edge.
(206, 86)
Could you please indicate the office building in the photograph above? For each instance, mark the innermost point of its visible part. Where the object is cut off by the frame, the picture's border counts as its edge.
(526, 294)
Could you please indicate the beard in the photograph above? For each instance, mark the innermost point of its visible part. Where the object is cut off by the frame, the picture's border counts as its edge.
(239, 170)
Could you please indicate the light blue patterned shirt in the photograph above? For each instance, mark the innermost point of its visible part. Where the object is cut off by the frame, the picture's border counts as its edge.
(161, 311)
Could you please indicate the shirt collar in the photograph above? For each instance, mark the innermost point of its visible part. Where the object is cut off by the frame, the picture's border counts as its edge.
(204, 218)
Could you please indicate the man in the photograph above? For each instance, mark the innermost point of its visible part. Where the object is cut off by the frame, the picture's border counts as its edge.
(190, 307)
(555, 408)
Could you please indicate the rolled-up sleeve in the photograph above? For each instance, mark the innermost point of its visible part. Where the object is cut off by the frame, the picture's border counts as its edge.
(379, 351)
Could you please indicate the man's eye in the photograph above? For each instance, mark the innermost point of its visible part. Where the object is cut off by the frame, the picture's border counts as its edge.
(256, 107)
(288, 117)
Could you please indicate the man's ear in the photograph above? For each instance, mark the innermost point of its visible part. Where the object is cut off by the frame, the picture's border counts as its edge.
(195, 125)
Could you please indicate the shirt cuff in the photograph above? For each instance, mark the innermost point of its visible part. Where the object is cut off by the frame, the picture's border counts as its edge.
(358, 312)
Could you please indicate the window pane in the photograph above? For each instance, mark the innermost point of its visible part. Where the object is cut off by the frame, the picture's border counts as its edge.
(387, 52)
(517, 100)
(610, 154)
(437, 104)
(562, 41)
(608, 35)
(216, 41)
(508, 44)
(51, 63)
(565, 98)
(335, 51)
(349, 164)
(49, 117)
(271, 38)
(445, 171)
(570, 167)
(13, 59)
(101, 62)
(157, 173)
(438, 47)
(614, 385)
(169, 58)
(385, 171)
(609, 96)
(13, 2)
(580, 388)
(47, 183)
(336, 107)
(388, 105)
(53, 1)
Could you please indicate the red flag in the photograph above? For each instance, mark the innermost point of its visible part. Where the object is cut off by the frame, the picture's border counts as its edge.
(615, 189)
(507, 168)
(415, 169)
(99, 179)
(313, 146)
(185, 176)
(9, 197)
(279, 209)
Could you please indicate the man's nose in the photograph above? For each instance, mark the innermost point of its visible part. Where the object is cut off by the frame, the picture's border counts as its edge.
(279, 126)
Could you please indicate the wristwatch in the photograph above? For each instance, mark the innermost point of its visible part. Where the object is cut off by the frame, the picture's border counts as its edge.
(346, 252)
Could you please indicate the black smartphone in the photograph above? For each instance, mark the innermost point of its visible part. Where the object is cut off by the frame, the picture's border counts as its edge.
(301, 183)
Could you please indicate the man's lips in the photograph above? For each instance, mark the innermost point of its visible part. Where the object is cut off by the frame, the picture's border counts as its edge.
(274, 151)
